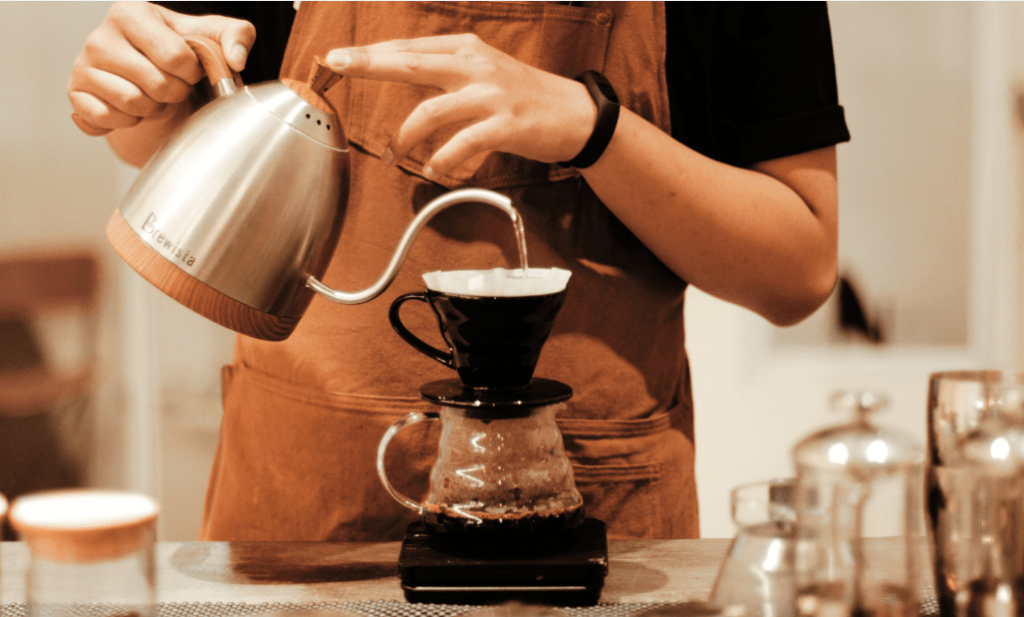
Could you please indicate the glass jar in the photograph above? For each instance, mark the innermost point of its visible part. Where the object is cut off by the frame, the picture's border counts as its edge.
(859, 517)
(967, 411)
(757, 574)
(89, 549)
(991, 521)
(3, 516)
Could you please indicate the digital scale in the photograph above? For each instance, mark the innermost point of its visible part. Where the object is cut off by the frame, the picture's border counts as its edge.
(567, 568)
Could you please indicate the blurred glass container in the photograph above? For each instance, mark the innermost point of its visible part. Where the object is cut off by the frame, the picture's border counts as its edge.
(854, 481)
(959, 404)
(992, 520)
(3, 516)
(89, 550)
(757, 574)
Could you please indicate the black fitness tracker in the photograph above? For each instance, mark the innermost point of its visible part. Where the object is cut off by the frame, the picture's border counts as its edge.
(607, 102)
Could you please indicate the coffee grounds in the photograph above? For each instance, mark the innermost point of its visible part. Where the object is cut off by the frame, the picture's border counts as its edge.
(446, 520)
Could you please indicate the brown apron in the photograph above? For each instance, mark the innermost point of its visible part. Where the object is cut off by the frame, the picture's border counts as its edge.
(303, 417)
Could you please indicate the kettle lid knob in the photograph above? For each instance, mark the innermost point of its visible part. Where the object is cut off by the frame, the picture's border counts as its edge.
(312, 91)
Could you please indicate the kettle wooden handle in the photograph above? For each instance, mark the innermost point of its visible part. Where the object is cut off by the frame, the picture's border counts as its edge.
(211, 56)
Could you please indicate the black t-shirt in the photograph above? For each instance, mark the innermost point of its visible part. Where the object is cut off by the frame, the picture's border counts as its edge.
(748, 81)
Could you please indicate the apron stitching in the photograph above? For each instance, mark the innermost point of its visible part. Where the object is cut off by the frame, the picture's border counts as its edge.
(577, 14)
(649, 472)
(614, 428)
(335, 400)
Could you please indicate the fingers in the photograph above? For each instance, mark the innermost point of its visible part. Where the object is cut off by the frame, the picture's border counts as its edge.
(443, 62)
(431, 115)
(116, 104)
(235, 36)
(470, 141)
(145, 29)
(435, 70)
(137, 63)
(443, 44)
(88, 129)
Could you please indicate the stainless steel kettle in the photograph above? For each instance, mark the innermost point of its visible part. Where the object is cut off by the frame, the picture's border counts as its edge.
(238, 214)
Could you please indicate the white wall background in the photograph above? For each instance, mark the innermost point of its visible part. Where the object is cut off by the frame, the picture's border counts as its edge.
(929, 203)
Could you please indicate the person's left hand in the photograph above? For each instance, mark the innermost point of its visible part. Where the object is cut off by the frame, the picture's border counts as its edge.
(508, 106)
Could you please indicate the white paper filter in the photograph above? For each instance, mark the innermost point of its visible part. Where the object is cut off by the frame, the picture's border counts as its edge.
(500, 282)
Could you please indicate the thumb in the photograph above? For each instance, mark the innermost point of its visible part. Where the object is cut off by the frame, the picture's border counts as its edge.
(237, 39)
(236, 36)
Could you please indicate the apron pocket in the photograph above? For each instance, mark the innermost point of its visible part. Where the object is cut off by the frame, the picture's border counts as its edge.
(626, 497)
(564, 40)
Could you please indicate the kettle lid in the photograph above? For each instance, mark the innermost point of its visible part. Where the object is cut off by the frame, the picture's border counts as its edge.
(312, 90)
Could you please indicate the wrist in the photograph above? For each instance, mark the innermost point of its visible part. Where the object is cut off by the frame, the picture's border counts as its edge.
(606, 103)
(580, 122)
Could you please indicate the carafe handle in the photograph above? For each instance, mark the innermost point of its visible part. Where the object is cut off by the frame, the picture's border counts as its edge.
(412, 418)
(444, 201)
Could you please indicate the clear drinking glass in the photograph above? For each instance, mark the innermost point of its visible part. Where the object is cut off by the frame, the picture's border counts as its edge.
(757, 574)
(89, 551)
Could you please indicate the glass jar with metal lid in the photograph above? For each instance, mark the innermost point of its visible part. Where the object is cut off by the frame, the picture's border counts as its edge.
(990, 515)
(861, 549)
(89, 550)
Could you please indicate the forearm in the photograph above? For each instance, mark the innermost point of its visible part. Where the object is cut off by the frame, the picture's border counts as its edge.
(739, 234)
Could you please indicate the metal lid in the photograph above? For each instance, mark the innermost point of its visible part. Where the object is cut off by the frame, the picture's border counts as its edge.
(859, 445)
(84, 525)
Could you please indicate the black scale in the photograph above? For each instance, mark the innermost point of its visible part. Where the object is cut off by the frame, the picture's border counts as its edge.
(566, 568)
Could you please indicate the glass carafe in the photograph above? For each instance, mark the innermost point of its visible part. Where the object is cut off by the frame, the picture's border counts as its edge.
(500, 470)
(861, 549)
(991, 516)
(757, 574)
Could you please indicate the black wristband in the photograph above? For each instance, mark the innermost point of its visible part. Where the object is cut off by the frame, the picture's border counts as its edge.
(607, 102)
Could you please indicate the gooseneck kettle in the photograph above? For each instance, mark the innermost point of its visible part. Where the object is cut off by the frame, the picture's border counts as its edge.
(238, 213)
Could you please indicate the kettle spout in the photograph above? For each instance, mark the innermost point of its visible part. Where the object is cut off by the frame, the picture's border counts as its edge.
(444, 201)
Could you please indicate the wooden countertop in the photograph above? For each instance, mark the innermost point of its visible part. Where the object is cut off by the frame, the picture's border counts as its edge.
(309, 572)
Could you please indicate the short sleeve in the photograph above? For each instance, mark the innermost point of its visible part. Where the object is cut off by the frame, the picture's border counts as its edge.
(750, 82)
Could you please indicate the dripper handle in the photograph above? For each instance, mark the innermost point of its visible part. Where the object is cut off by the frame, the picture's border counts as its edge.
(411, 418)
(444, 201)
(396, 322)
(211, 56)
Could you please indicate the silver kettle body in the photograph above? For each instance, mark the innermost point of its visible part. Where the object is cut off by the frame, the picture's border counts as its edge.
(248, 196)
(239, 212)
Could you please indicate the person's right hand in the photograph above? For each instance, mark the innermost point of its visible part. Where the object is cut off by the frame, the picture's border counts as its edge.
(136, 66)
